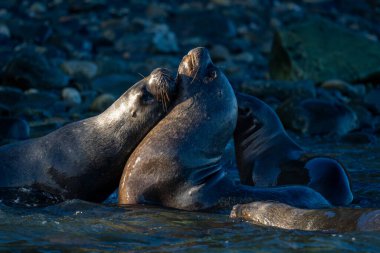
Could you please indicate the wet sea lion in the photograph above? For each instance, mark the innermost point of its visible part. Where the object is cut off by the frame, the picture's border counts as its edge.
(178, 163)
(85, 159)
(336, 220)
(267, 156)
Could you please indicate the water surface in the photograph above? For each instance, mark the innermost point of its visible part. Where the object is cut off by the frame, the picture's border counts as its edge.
(81, 226)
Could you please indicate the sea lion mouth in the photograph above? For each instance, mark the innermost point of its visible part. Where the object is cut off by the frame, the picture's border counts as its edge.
(195, 63)
(162, 85)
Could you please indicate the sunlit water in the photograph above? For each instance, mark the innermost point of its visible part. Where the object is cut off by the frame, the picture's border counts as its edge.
(81, 226)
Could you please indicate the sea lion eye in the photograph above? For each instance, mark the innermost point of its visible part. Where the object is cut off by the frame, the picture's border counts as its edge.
(147, 97)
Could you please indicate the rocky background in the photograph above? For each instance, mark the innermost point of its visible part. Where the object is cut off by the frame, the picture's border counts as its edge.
(316, 62)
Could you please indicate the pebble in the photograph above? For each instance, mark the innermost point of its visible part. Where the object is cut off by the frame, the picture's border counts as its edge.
(102, 102)
(71, 96)
(14, 128)
(82, 68)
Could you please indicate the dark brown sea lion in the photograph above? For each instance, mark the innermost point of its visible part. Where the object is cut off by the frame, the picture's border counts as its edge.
(267, 156)
(328, 220)
(85, 159)
(178, 163)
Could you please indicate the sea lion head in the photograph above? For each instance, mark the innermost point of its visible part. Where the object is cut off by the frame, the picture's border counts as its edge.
(146, 102)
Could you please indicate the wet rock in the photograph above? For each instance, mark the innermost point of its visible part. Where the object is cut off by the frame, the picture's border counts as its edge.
(164, 40)
(114, 84)
(71, 96)
(365, 119)
(358, 138)
(345, 88)
(4, 31)
(111, 65)
(41, 128)
(34, 99)
(219, 53)
(102, 102)
(319, 50)
(9, 96)
(80, 68)
(14, 128)
(30, 69)
(372, 100)
(279, 89)
(317, 117)
(207, 25)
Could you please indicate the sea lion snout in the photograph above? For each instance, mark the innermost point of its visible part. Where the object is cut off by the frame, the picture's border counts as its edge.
(195, 63)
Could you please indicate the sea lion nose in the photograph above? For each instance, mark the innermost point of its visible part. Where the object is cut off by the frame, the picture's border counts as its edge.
(200, 55)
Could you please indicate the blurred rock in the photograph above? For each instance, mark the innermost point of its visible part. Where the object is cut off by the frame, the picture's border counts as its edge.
(279, 89)
(345, 88)
(164, 40)
(115, 84)
(71, 96)
(102, 102)
(4, 31)
(320, 50)
(317, 117)
(9, 96)
(219, 53)
(82, 68)
(29, 69)
(372, 100)
(14, 128)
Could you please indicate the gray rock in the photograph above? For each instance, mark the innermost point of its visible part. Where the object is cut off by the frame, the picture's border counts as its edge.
(219, 53)
(317, 117)
(352, 91)
(30, 69)
(14, 128)
(71, 96)
(279, 89)
(320, 50)
(9, 96)
(82, 68)
(164, 40)
(102, 102)
(372, 100)
(114, 84)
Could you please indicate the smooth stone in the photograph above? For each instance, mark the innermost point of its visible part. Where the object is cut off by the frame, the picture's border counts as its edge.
(14, 128)
(82, 68)
(321, 50)
(345, 88)
(41, 128)
(365, 117)
(115, 84)
(164, 40)
(279, 89)
(30, 69)
(38, 99)
(317, 117)
(372, 100)
(71, 96)
(9, 96)
(111, 65)
(102, 102)
(219, 53)
(4, 31)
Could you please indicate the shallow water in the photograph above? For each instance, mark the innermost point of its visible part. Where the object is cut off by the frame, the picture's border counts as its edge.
(82, 226)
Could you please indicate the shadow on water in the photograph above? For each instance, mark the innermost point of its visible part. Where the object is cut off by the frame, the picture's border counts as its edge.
(82, 226)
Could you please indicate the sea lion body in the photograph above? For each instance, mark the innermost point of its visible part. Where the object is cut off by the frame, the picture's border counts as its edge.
(178, 163)
(337, 220)
(267, 156)
(85, 159)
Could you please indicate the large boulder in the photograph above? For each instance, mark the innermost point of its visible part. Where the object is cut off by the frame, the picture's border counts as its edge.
(320, 50)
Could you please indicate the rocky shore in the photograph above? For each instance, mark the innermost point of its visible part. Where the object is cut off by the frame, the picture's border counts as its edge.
(317, 63)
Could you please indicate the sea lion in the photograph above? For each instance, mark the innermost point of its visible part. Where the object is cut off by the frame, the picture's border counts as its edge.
(337, 220)
(178, 163)
(267, 156)
(85, 159)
